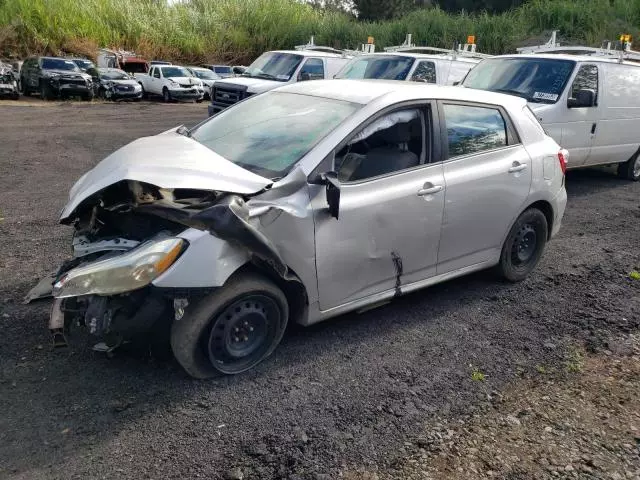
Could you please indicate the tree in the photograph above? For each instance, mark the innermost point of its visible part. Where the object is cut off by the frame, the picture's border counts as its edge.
(383, 9)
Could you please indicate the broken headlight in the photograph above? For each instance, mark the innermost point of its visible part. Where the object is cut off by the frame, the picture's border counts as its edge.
(129, 271)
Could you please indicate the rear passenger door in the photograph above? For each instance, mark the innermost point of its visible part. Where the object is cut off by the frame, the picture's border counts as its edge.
(487, 176)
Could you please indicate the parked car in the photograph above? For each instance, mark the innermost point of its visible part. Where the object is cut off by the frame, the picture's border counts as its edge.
(54, 77)
(414, 67)
(206, 76)
(272, 70)
(115, 84)
(591, 104)
(171, 82)
(301, 204)
(83, 63)
(8, 83)
(223, 71)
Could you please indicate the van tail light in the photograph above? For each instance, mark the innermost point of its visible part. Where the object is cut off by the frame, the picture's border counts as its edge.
(563, 158)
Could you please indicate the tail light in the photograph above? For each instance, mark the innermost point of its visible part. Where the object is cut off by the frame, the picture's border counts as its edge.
(563, 158)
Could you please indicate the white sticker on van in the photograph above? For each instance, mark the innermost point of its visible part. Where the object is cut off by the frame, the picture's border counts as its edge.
(545, 96)
(282, 77)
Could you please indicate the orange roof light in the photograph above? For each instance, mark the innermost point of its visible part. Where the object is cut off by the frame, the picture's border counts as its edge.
(471, 40)
(370, 40)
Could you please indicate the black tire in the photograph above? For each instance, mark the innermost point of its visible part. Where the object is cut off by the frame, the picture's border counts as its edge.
(630, 170)
(166, 96)
(87, 97)
(524, 245)
(199, 100)
(206, 341)
(45, 91)
(15, 96)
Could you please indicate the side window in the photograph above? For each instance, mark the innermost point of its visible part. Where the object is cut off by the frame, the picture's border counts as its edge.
(474, 129)
(314, 68)
(586, 79)
(156, 72)
(392, 143)
(425, 72)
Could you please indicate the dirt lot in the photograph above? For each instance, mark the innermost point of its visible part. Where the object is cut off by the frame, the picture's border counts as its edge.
(404, 391)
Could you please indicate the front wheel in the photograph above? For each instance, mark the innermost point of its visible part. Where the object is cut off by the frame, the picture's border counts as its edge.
(166, 96)
(524, 245)
(231, 330)
(630, 170)
(45, 91)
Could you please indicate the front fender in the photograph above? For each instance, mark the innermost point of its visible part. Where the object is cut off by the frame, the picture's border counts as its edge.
(208, 262)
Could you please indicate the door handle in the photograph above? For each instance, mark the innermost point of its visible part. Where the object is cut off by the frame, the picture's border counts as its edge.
(518, 168)
(593, 128)
(430, 190)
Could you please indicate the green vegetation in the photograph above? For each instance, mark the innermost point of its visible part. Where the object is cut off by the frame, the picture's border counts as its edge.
(477, 375)
(239, 30)
(634, 275)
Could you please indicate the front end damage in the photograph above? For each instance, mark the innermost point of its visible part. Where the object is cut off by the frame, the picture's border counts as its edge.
(124, 280)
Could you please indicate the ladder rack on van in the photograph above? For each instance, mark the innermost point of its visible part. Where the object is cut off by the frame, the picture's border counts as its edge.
(467, 50)
(607, 50)
(311, 46)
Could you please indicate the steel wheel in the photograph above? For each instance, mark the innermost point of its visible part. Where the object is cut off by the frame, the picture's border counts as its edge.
(524, 245)
(243, 332)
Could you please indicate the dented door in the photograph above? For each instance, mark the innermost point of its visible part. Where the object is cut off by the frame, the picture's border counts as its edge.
(386, 236)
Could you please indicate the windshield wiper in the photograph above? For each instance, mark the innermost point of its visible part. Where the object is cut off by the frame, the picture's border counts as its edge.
(508, 91)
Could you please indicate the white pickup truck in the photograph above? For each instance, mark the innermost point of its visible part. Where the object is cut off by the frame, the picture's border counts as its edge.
(172, 82)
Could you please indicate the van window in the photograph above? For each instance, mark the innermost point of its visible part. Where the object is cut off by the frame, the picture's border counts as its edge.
(473, 129)
(539, 80)
(425, 72)
(386, 67)
(314, 68)
(586, 79)
(156, 72)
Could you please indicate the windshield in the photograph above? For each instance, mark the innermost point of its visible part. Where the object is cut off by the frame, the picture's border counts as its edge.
(274, 66)
(59, 64)
(174, 72)
(269, 133)
(114, 75)
(83, 63)
(390, 67)
(539, 80)
(205, 74)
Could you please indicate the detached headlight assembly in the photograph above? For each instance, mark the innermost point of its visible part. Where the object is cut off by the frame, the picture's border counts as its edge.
(129, 271)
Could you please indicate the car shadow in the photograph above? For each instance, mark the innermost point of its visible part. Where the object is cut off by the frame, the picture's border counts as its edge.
(584, 182)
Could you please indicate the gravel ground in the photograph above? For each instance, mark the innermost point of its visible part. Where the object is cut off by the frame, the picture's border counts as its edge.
(342, 397)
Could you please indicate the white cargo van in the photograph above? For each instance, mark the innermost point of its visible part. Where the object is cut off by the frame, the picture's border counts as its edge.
(408, 62)
(274, 69)
(589, 103)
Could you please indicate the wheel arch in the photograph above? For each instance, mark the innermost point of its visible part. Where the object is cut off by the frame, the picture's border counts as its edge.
(546, 208)
(293, 288)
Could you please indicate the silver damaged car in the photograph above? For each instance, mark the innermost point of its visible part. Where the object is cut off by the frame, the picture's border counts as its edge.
(298, 205)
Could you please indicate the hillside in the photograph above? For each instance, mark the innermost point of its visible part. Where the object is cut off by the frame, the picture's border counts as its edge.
(239, 30)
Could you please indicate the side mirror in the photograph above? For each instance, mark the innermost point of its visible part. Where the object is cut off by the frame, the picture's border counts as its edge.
(304, 76)
(585, 98)
(455, 84)
(330, 179)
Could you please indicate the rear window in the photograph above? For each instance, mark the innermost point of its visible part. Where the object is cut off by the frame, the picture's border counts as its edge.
(222, 69)
(472, 129)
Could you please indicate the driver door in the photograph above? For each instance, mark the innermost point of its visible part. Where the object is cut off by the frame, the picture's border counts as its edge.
(390, 212)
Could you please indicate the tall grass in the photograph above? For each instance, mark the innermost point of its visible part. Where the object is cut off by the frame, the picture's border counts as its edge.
(239, 30)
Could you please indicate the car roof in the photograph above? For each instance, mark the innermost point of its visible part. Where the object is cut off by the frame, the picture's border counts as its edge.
(109, 69)
(567, 56)
(367, 91)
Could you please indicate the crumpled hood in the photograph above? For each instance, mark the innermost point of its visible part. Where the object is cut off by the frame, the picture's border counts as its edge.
(168, 160)
(133, 83)
(254, 85)
(186, 80)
